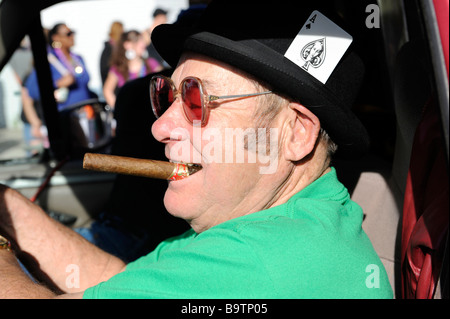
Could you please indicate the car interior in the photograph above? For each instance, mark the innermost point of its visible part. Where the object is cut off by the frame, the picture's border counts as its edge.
(402, 184)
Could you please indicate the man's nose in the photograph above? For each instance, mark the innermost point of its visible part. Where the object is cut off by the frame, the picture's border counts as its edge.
(171, 119)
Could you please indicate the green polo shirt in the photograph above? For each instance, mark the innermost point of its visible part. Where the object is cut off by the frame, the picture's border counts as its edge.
(313, 246)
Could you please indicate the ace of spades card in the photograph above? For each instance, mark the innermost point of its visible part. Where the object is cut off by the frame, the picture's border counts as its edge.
(319, 46)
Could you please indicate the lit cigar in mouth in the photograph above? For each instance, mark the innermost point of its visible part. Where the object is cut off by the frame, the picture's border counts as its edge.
(138, 167)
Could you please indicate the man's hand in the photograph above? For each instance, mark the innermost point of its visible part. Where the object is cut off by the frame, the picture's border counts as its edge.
(15, 283)
(51, 247)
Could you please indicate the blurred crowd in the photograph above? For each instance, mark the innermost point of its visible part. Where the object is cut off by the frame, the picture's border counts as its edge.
(127, 55)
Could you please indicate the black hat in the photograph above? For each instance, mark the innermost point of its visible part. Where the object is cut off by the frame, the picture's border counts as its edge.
(254, 37)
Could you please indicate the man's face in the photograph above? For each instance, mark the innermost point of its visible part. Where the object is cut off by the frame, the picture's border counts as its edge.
(226, 187)
(160, 19)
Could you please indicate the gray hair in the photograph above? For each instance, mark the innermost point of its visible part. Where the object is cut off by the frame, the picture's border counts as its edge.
(271, 105)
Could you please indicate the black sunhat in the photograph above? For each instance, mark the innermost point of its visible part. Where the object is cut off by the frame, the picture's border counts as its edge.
(254, 38)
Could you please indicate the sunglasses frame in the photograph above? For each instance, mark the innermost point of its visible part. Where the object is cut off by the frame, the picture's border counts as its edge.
(205, 97)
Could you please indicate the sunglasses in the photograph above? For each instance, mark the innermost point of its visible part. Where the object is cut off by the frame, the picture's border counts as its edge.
(68, 34)
(195, 101)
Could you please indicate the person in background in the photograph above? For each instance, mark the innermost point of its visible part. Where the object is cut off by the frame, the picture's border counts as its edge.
(34, 130)
(115, 32)
(127, 63)
(159, 17)
(69, 73)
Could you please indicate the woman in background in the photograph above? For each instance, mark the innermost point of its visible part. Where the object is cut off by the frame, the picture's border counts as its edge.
(128, 62)
(115, 32)
(68, 70)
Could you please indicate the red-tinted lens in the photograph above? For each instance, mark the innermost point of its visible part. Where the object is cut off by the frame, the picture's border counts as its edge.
(192, 99)
(161, 95)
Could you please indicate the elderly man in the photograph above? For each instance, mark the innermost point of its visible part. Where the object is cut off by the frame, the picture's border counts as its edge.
(274, 224)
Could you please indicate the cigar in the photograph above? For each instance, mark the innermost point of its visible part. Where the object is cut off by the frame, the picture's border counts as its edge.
(138, 167)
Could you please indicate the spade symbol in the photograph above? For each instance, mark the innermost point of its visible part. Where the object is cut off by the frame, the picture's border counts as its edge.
(313, 54)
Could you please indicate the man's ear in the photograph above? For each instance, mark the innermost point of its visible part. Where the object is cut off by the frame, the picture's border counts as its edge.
(301, 134)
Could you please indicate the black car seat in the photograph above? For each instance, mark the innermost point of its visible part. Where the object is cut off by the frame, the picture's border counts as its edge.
(138, 201)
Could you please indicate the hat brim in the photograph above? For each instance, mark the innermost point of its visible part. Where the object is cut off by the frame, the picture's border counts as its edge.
(284, 76)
